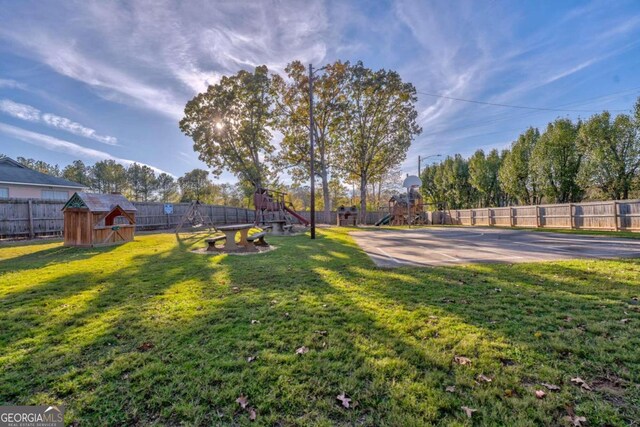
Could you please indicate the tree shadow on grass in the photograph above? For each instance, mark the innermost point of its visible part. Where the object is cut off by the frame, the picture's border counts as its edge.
(389, 343)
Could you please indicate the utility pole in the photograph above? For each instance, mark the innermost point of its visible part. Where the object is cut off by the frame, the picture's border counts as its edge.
(425, 158)
(312, 213)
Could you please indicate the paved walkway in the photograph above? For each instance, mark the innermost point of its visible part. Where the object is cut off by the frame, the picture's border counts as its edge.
(434, 246)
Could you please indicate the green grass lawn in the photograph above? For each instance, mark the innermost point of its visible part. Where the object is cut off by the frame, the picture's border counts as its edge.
(149, 333)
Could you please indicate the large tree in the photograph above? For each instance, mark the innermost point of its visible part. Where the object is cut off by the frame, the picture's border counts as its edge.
(167, 187)
(78, 172)
(195, 185)
(483, 176)
(293, 121)
(556, 161)
(107, 176)
(229, 125)
(379, 124)
(515, 174)
(612, 153)
(40, 166)
(142, 181)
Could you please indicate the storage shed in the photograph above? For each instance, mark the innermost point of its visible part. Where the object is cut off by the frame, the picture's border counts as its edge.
(98, 220)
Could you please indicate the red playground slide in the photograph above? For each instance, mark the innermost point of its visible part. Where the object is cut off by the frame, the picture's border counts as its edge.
(297, 216)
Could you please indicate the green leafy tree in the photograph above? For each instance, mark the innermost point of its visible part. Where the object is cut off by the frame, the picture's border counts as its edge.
(379, 124)
(556, 161)
(40, 166)
(612, 153)
(108, 177)
(167, 188)
(292, 114)
(516, 177)
(483, 176)
(195, 185)
(229, 125)
(78, 172)
(142, 182)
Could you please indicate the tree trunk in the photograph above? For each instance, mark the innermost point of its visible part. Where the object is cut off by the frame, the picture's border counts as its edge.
(326, 196)
(363, 199)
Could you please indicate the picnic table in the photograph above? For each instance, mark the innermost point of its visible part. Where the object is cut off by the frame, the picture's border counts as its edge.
(230, 232)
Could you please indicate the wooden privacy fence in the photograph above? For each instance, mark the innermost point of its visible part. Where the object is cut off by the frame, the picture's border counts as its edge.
(35, 218)
(610, 215)
(22, 218)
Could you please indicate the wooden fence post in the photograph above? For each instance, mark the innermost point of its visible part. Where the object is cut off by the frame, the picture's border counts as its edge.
(538, 216)
(616, 215)
(572, 219)
(473, 217)
(32, 233)
(511, 216)
(490, 214)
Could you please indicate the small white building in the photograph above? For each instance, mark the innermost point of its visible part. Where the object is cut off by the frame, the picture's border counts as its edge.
(20, 182)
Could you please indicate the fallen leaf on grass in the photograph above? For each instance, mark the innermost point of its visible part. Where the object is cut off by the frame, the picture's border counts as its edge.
(146, 346)
(323, 333)
(344, 400)
(484, 378)
(576, 420)
(253, 322)
(450, 389)
(302, 350)
(461, 360)
(624, 320)
(251, 358)
(551, 387)
(468, 411)
(579, 381)
(509, 393)
(243, 401)
(540, 394)
(538, 334)
(252, 414)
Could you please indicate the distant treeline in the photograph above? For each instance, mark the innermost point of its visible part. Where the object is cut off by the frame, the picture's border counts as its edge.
(141, 183)
(596, 159)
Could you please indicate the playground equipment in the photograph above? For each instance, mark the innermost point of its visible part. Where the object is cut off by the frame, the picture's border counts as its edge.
(405, 209)
(194, 217)
(98, 220)
(271, 207)
(347, 216)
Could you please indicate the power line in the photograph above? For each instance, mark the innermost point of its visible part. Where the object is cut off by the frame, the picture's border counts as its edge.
(523, 107)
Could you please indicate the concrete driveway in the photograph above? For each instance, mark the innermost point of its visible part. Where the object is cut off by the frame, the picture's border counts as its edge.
(423, 247)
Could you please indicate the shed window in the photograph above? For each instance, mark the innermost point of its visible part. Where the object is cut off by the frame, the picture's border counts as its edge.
(55, 195)
(4, 193)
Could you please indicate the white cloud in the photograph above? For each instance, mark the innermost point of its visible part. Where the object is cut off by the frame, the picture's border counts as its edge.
(12, 84)
(156, 54)
(59, 145)
(77, 129)
(32, 114)
(19, 111)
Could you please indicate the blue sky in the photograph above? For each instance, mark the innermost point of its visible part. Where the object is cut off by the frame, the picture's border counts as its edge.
(93, 80)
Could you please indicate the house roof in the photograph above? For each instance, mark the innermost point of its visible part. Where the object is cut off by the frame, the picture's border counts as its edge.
(99, 202)
(12, 172)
